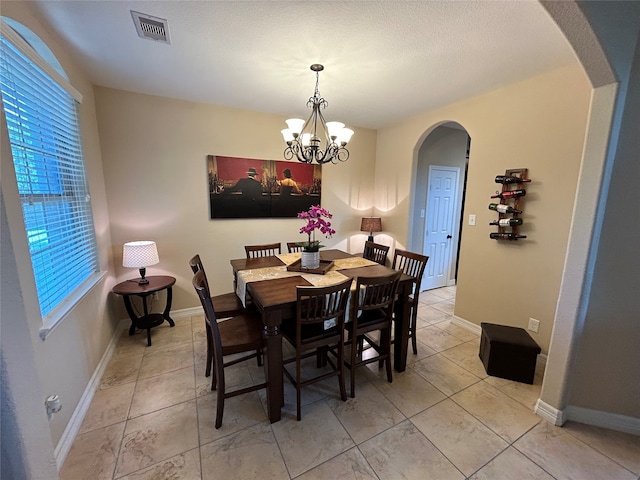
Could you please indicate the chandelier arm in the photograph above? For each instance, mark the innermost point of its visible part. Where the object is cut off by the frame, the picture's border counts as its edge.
(334, 151)
(342, 155)
(324, 128)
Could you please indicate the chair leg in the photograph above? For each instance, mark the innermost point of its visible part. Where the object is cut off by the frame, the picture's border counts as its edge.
(259, 357)
(352, 367)
(214, 376)
(209, 350)
(282, 403)
(298, 388)
(340, 365)
(220, 408)
(412, 329)
(385, 336)
(389, 370)
(322, 354)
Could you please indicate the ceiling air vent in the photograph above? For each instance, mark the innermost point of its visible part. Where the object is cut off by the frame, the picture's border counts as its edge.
(153, 28)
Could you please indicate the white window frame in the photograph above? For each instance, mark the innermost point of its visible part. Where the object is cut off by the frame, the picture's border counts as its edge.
(51, 177)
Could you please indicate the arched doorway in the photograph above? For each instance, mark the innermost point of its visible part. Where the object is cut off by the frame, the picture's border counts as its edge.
(438, 202)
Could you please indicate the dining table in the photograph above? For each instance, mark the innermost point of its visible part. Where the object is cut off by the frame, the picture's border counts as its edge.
(270, 284)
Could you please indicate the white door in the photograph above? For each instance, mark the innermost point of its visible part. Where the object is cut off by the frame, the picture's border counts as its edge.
(439, 225)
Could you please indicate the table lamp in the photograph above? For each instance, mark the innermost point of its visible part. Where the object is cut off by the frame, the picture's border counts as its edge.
(140, 255)
(371, 224)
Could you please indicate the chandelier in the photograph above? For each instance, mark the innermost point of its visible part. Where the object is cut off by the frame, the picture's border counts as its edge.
(304, 140)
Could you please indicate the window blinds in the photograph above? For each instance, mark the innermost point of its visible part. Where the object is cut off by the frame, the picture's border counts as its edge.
(45, 141)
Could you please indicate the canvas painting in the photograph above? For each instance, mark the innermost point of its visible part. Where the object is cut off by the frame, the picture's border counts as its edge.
(252, 188)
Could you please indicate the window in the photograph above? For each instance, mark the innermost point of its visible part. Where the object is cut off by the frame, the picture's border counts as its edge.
(40, 107)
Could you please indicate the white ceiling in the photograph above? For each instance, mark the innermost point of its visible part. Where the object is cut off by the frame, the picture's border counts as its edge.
(384, 60)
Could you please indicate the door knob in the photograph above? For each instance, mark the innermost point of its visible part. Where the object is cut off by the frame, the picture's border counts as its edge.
(449, 236)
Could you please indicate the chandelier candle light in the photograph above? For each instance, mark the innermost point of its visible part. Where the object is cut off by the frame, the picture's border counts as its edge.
(303, 138)
(140, 255)
(315, 218)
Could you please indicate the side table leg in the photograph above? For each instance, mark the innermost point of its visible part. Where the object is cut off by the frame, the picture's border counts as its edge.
(131, 313)
(167, 309)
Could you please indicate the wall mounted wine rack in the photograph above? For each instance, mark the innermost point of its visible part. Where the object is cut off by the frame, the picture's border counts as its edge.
(512, 197)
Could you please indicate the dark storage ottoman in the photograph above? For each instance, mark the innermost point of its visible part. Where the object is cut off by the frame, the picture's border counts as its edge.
(508, 352)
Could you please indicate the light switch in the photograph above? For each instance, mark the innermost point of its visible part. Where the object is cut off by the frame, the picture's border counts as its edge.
(422, 213)
(472, 219)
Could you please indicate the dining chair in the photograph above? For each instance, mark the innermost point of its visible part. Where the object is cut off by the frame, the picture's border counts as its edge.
(294, 247)
(267, 250)
(224, 305)
(371, 310)
(412, 264)
(320, 315)
(375, 252)
(237, 335)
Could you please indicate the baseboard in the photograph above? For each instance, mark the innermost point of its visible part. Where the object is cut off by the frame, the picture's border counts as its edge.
(187, 312)
(598, 418)
(549, 413)
(68, 436)
(587, 416)
(461, 322)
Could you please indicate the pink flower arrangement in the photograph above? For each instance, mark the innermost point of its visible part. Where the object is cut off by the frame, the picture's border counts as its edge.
(315, 218)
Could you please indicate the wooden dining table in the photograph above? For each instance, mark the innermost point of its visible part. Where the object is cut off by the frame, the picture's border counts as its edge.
(276, 299)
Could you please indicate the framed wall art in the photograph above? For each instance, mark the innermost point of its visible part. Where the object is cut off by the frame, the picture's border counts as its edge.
(252, 188)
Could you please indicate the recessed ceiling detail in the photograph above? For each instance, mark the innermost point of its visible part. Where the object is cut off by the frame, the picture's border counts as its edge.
(152, 28)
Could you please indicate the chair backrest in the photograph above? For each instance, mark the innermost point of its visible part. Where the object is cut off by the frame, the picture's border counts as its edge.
(376, 293)
(294, 247)
(267, 250)
(202, 289)
(196, 266)
(412, 264)
(316, 305)
(375, 252)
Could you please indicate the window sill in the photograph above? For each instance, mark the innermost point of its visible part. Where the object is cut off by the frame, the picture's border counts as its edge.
(55, 318)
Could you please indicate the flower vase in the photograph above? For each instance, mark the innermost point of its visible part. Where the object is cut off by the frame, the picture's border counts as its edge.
(310, 260)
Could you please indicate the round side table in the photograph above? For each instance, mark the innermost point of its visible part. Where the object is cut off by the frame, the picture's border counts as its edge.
(148, 320)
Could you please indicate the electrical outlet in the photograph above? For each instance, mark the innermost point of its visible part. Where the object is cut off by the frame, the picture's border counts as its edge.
(534, 325)
(472, 219)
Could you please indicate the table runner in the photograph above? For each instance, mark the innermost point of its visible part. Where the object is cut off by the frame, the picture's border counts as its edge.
(332, 277)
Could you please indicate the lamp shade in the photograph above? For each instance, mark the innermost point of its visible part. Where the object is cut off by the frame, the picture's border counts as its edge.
(371, 224)
(139, 254)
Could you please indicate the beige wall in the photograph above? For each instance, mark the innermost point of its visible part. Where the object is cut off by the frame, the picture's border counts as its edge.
(68, 358)
(154, 157)
(538, 124)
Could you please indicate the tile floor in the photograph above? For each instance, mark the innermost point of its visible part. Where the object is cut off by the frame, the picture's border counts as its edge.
(443, 418)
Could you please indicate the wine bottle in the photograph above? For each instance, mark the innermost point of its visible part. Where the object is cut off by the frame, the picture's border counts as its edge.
(507, 222)
(520, 192)
(501, 208)
(510, 179)
(506, 236)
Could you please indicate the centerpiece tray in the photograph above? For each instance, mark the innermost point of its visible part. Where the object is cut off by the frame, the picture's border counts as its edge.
(325, 266)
